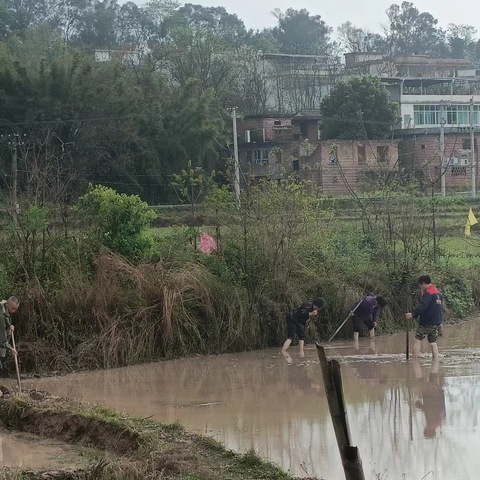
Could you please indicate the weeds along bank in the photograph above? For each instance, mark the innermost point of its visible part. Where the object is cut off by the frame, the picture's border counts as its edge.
(102, 289)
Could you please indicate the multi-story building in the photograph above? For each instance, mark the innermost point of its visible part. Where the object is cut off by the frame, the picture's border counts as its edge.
(277, 146)
(296, 83)
(437, 98)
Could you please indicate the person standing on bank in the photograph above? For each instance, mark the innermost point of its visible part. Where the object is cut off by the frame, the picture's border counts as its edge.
(366, 312)
(429, 313)
(298, 319)
(7, 307)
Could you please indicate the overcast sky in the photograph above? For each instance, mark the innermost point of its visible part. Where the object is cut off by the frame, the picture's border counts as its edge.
(368, 14)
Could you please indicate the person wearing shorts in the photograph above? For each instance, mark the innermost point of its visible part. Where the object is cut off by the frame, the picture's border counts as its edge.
(429, 313)
(297, 320)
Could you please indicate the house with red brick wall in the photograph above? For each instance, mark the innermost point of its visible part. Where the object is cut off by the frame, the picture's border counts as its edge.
(420, 154)
(278, 145)
(352, 165)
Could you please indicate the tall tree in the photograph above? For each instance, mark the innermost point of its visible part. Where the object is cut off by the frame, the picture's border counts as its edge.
(135, 26)
(462, 39)
(410, 31)
(214, 20)
(356, 39)
(25, 14)
(358, 109)
(300, 33)
(263, 40)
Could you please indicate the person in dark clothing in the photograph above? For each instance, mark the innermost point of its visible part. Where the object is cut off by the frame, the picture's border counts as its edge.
(298, 319)
(7, 307)
(366, 312)
(429, 313)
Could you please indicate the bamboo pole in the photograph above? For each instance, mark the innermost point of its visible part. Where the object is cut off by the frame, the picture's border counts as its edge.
(332, 380)
(16, 365)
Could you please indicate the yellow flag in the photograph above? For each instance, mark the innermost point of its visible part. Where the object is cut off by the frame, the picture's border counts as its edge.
(471, 220)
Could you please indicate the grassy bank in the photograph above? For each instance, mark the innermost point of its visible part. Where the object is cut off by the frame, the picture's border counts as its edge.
(108, 292)
(133, 448)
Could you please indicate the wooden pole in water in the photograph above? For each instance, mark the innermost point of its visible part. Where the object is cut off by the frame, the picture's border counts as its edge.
(407, 341)
(332, 380)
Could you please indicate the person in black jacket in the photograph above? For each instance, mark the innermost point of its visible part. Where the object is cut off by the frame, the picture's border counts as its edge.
(298, 319)
(367, 312)
(429, 313)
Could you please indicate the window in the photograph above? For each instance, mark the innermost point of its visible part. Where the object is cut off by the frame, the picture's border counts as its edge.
(458, 171)
(467, 144)
(382, 154)
(361, 154)
(453, 114)
(426, 114)
(304, 129)
(332, 154)
(260, 157)
(296, 165)
(463, 114)
(277, 122)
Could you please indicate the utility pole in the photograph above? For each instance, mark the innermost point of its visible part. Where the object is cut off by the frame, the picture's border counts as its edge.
(235, 156)
(443, 169)
(472, 150)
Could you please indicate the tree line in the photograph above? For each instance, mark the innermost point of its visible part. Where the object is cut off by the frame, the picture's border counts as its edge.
(108, 24)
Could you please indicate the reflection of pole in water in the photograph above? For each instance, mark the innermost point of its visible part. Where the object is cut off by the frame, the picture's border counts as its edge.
(410, 404)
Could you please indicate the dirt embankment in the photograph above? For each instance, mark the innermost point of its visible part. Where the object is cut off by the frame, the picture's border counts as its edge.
(132, 448)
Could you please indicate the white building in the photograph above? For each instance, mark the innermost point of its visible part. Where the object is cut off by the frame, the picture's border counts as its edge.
(429, 91)
(427, 103)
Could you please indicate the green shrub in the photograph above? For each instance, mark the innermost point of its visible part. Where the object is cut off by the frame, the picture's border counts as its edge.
(119, 221)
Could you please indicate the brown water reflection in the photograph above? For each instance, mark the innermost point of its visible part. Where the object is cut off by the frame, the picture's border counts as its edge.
(408, 419)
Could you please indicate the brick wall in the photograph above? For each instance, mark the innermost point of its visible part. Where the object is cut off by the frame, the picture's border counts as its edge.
(278, 129)
(351, 165)
(420, 154)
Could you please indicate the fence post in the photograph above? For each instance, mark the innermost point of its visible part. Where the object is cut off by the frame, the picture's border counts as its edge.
(332, 380)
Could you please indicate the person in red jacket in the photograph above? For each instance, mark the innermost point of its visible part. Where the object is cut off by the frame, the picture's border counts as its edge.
(429, 313)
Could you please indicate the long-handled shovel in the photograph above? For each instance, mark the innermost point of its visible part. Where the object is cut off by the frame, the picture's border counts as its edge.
(16, 365)
(345, 321)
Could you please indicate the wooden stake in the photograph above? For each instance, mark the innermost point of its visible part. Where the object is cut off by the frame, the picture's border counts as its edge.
(407, 340)
(16, 365)
(332, 380)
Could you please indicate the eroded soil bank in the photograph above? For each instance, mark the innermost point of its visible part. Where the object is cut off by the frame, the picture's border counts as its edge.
(129, 448)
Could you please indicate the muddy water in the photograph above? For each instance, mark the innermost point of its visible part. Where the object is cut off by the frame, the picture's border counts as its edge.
(409, 420)
(28, 451)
